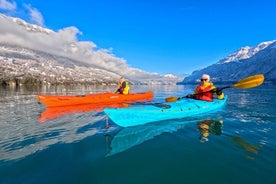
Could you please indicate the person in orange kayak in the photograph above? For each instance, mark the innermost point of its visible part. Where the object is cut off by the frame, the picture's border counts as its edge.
(123, 87)
(206, 90)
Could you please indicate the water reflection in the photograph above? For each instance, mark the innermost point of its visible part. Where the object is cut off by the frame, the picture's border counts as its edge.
(129, 137)
(22, 136)
(248, 147)
(19, 142)
(208, 127)
(51, 113)
(214, 127)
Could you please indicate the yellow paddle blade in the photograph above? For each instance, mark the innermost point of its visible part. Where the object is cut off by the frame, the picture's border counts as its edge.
(250, 82)
(171, 99)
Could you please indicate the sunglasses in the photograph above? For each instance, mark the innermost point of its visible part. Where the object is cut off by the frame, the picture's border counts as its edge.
(203, 80)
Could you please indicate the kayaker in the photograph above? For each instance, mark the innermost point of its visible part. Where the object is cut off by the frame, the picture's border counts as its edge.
(206, 90)
(123, 87)
(209, 88)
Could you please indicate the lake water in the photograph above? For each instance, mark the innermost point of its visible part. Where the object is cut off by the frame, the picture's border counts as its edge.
(76, 147)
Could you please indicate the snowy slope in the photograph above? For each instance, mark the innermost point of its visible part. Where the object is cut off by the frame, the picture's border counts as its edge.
(247, 61)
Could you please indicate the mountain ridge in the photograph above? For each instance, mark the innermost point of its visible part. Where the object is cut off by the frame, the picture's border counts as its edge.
(244, 62)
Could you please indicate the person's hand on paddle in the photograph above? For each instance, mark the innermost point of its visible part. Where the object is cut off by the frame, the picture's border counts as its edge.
(218, 91)
(190, 96)
(119, 91)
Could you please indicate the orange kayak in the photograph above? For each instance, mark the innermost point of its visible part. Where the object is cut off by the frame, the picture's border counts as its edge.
(96, 99)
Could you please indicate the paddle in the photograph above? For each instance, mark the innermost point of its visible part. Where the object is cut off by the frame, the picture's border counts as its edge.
(156, 104)
(248, 82)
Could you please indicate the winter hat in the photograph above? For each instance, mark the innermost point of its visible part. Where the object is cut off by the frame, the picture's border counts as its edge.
(205, 76)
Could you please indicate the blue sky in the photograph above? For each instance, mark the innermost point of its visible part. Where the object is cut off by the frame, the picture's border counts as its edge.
(176, 36)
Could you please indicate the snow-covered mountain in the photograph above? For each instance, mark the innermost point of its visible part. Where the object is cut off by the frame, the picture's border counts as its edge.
(247, 61)
(58, 57)
(245, 52)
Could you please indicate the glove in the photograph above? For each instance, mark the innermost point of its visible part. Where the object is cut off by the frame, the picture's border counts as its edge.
(218, 91)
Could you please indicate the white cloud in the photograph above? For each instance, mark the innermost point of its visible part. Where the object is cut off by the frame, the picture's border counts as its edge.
(64, 42)
(35, 15)
(7, 5)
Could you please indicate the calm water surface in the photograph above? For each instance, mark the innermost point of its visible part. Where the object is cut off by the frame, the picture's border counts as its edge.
(234, 145)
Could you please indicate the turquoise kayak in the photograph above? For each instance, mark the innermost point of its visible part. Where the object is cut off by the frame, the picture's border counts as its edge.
(143, 114)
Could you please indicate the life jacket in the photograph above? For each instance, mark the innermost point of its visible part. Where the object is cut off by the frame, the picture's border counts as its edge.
(124, 90)
(204, 96)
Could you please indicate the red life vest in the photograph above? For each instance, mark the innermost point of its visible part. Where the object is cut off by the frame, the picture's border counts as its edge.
(204, 96)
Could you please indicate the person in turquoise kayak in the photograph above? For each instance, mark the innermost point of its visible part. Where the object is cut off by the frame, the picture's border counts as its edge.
(206, 90)
(123, 87)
